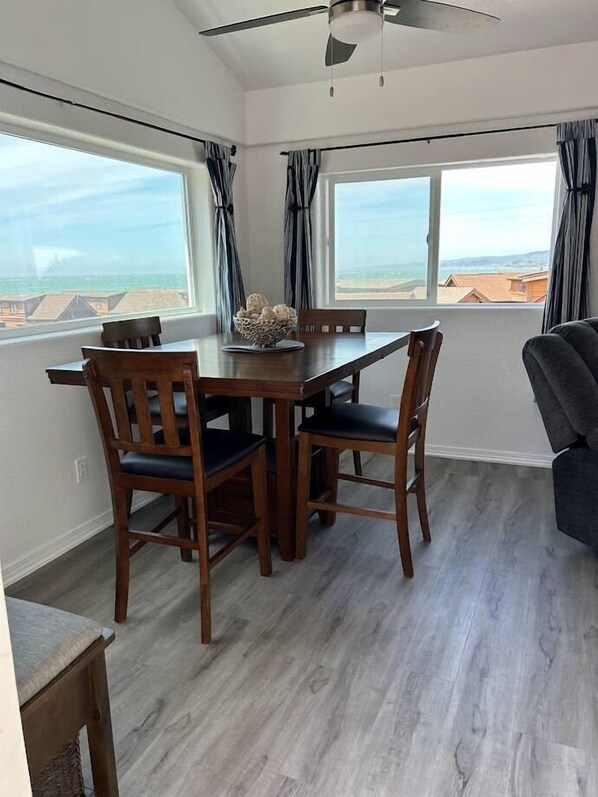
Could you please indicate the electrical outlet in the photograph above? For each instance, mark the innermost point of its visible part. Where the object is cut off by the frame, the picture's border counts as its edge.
(394, 401)
(81, 470)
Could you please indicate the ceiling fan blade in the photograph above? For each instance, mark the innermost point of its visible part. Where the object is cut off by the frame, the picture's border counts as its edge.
(272, 19)
(338, 52)
(437, 16)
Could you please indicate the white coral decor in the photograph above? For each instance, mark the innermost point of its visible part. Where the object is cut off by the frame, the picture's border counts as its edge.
(264, 325)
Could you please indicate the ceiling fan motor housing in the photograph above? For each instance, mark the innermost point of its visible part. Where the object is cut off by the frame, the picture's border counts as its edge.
(355, 21)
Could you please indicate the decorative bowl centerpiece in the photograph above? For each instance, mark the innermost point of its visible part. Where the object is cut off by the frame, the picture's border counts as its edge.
(263, 325)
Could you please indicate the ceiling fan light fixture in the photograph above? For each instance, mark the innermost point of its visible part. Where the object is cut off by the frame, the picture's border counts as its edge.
(356, 21)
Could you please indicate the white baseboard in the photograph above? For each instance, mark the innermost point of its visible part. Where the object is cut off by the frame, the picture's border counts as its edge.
(44, 554)
(27, 564)
(487, 455)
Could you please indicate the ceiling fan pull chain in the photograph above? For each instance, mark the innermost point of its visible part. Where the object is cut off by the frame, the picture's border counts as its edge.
(332, 72)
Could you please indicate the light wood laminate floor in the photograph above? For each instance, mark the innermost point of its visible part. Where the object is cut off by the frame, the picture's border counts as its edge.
(337, 677)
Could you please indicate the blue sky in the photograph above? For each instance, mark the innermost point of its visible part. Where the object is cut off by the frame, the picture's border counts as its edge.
(494, 210)
(66, 209)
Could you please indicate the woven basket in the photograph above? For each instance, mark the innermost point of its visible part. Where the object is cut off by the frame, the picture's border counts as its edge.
(62, 777)
(264, 331)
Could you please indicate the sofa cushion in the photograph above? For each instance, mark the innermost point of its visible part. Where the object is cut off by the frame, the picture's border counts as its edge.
(44, 642)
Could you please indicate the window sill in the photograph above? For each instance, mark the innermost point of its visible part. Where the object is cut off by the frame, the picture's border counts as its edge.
(69, 329)
(369, 305)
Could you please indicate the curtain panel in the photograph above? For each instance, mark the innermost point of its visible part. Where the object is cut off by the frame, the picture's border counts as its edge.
(230, 292)
(302, 178)
(567, 298)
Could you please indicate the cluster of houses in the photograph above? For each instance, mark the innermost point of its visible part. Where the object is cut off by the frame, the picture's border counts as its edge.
(458, 288)
(17, 309)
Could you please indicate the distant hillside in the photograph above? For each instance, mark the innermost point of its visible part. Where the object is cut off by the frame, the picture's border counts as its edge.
(530, 261)
(527, 261)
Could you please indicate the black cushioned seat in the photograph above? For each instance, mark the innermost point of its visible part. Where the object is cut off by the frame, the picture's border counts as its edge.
(221, 449)
(355, 422)
(340, 390)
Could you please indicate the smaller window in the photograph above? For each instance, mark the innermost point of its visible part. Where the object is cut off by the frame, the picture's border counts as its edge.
(442, 235)
(12, 309)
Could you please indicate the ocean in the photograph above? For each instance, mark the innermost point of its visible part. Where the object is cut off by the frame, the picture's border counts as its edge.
(114, 282)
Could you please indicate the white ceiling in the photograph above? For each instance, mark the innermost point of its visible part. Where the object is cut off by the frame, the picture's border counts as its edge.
(293, 52)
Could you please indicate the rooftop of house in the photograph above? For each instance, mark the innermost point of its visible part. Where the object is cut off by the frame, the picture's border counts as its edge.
(149, 299)
(54, 305)
(494, 287)
(100, 294)
(445, 295)
(20, 297)
(537, 275)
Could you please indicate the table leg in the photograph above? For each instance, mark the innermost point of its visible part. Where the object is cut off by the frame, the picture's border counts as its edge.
(240, 415)
(285, 477)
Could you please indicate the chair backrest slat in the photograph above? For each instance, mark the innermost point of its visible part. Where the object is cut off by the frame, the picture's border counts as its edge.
(167, 413)
(332, 321)
(423, 351)
(133, 377)
(118, 392)
(143, 416)
(132, 333)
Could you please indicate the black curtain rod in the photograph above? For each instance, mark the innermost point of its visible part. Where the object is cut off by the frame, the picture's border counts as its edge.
(103, 112)
(430, 138)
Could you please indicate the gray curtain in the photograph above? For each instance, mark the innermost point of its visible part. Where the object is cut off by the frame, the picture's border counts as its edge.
(567, 298)
(302, 178)
(230, 292)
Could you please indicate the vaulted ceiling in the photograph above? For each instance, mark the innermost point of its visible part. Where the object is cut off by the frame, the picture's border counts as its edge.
(293, 52)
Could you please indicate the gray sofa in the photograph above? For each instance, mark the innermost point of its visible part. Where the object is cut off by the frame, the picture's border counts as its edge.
(563, 369)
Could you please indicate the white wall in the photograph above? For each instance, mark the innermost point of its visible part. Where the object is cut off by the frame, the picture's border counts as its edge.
(483, 407)
(152, 61)
(523, 84)
(144, 54)
(44, 428)
(14, 775)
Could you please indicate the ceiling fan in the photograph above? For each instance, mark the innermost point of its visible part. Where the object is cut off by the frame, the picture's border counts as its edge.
(353, 22)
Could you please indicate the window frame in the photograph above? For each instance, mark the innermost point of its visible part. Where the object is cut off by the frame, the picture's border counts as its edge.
(198, 214)
(325, 278)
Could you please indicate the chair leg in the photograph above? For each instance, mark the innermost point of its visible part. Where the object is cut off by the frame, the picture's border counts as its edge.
(331, 456)
(204, 573)
(422, 509)
(260, 503)
(403, 530)
(357, 463)
(304, 474)
(183, 526)
(129, 502)
(99, 732)
(420, 489)
(121, 522)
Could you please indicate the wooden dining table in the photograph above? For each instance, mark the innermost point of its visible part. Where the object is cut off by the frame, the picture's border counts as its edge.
(285, 377)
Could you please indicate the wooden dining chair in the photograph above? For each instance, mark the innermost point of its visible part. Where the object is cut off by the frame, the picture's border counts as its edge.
(142, 333)
(379, 430)
(185, 463)
(332, 322)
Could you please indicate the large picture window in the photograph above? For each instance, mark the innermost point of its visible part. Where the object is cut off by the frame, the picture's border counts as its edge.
(84, 236)
(475, 234)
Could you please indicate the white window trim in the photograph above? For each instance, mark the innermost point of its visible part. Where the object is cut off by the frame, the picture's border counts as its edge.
(198, 211)
(325, 262)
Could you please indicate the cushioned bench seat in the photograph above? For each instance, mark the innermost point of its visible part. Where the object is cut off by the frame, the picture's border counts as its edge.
(44, 642)
(60, 668)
